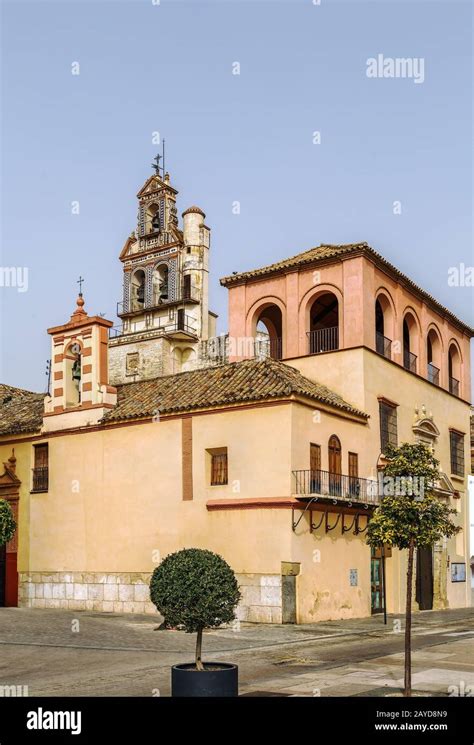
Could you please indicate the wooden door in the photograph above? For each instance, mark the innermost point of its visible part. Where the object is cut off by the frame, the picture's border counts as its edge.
(335, 466)
(315, 468)
(353, 463)
(424, 578)
(2, 575)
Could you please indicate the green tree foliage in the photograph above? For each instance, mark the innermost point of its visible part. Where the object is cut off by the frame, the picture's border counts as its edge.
(195, 589)
(7, 522)
(410, 518)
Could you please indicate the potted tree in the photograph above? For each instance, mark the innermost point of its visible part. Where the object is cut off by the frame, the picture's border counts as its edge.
(410, 521)
(196, 589)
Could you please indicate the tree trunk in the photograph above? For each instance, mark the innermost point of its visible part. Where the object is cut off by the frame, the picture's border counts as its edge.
(407, 691)
(199, 665)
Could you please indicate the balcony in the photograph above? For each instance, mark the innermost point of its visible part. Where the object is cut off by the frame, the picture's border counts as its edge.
(40, 479)
(323, 340)
(268, 348)
(454, 386)
(336, 486)
(433, 373)
(409, 361)
(188, 295)
(383, 345)
(184, 323)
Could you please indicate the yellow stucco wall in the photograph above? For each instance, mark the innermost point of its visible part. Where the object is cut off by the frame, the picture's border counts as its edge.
(115, 504)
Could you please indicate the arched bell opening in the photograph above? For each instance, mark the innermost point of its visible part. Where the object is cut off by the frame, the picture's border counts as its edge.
(138, 290)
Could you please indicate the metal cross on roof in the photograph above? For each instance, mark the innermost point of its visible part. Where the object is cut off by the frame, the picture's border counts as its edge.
(79, 282)
(156, 165)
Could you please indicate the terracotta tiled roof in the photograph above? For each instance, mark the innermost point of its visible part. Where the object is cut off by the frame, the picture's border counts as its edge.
(327, 251)
(233, 383)
(20, 410)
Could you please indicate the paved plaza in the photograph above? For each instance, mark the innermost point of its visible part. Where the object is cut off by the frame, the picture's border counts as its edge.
(65, 653)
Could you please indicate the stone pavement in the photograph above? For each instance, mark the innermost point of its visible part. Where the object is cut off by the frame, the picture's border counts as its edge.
(72, 653)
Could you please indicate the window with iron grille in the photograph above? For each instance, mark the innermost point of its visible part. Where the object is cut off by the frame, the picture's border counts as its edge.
(457, 453)
(40, 470)
(388, 425)
(219, 475)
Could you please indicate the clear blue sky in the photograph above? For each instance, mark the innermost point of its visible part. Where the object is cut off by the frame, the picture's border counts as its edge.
(168, 68)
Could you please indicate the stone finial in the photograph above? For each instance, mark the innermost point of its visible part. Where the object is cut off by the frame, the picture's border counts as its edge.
(79, 313)
(12, 461)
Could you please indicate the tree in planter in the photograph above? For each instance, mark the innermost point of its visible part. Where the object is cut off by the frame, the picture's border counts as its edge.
(410, 516)
(7, 522)
(195, 589)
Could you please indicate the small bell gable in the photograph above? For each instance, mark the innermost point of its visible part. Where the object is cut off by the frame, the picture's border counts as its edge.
(80, 391)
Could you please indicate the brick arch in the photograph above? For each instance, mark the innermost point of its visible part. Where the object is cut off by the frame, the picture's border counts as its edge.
(384, 297)
(254, 313)
(306, 302)
(415, 339)
(455, 366)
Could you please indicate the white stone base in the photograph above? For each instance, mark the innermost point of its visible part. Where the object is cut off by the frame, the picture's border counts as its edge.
(98, 591)
(128, 592)
(261, 600)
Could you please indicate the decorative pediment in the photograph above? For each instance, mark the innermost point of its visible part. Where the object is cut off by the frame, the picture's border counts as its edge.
(424, 427)
(154, 184)
(444, 486)
(128, 247)
(9, 481)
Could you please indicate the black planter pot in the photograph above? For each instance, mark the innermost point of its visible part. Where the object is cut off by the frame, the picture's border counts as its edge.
(187, 681)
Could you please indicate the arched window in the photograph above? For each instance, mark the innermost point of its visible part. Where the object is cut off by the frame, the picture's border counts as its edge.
(323, 334)
(73, 374)
(433, 350)
(383, 310)
(454, 370)
(268, 332)
(138, 290)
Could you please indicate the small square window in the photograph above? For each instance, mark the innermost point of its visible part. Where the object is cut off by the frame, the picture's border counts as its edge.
(41, 468)
(219, 466)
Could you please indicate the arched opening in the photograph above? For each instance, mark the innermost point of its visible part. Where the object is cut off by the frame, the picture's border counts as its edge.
(335, 465)
(383, 344)
(137, 290)
(323, 334)
(410, 335)
(269, 332)
(160, 284)
(188, 358)
(433, 350)
(153, 224)
(454, 370)
(73, 371)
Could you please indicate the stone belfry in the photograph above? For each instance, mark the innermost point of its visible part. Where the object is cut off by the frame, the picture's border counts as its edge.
(165, 318)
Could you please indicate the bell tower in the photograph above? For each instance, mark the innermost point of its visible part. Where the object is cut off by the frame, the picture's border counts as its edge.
(164, 310)
(80, 393)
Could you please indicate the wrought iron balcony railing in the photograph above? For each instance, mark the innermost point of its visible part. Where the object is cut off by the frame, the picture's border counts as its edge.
(433, 373)
(383, 345)
(409, 360)
(268, 348)
(336, 486)
(185, 323)
(454, 386)
(40, 479)
(323, 340)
